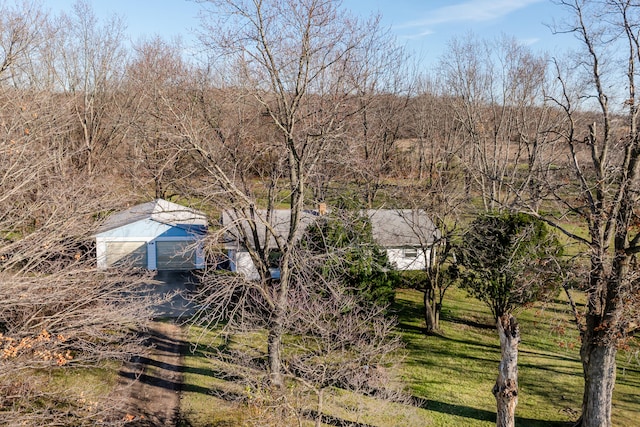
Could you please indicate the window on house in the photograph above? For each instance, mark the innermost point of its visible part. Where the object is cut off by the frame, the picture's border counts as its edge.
(410, 252)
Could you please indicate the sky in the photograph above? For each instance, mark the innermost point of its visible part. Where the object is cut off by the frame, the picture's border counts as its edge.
(423, 26)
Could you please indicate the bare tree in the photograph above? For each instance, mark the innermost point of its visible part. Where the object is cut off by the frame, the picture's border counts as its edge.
(344, 343)
(87, 61)
(21, 32)
(58, 313)
(382, 87)
(337, 341)
(285, 62)
(603, 155)
(157, 78)
(436, 188)
(441, 272)
(496, 92)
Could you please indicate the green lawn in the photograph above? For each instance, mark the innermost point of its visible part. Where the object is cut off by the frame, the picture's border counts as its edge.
(450, 375)
(455, 370)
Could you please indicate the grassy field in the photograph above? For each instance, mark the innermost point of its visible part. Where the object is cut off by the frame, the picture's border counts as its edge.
(450, 375)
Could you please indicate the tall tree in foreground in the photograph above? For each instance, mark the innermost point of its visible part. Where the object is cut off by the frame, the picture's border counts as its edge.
(437, 189)
(604, 155)
(283, 67)
(509, 260)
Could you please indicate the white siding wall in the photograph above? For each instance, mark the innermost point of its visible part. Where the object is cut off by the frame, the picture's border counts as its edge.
(397, 257)
(241, 262)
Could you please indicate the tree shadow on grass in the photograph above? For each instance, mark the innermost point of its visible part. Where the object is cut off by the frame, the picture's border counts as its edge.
(407, 327)
(408, 311)
(457, 410)
(156, 381)
(468, 322)
(473, 343)
(480, 414)
(469, 349)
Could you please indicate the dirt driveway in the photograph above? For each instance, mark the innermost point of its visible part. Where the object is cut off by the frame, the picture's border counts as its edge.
(153, 382)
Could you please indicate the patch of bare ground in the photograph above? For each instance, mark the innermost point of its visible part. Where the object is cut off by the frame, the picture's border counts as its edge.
(153, 382)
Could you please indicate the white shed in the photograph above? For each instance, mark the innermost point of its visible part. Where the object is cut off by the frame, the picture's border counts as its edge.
(158, 235)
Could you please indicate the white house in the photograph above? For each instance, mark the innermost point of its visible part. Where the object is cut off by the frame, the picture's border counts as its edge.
(158, 235)
(239, 259)
(406, 234)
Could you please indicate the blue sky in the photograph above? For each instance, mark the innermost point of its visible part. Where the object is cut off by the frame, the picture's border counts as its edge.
(424, 26)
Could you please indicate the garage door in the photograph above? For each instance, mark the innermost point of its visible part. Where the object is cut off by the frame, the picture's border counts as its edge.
(178, 255)
(130, 254)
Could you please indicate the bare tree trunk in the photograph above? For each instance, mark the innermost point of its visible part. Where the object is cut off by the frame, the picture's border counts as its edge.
(274, 344)
(429, 314)
(599, 366)
(611, 191)
(276, 328)
(506, 388)
(432, 309)
(320, 407)
(436, 314)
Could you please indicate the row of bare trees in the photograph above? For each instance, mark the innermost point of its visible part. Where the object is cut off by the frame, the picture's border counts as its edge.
(299, 103)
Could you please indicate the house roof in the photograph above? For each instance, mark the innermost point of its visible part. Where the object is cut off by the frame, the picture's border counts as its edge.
(159, 210)
(402, 227)
(279, 222)
(390, 227)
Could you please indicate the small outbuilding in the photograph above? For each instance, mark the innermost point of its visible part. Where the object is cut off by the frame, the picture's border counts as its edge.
(158, 235)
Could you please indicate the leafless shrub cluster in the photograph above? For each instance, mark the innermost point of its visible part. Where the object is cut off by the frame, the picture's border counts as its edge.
(59, 316)
(332, 340)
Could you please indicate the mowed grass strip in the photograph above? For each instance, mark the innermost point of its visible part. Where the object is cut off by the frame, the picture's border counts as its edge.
(450, 374)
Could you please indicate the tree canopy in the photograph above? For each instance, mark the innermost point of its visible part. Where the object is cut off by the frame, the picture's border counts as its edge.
(510, 260)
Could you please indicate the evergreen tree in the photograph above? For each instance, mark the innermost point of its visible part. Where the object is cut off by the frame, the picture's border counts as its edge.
(347, 252)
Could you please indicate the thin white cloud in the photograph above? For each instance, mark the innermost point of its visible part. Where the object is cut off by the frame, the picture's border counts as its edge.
(417, 35)
(469, 11)
(530, 41)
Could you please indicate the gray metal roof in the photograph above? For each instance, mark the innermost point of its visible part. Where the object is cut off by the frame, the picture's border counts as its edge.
(391, 227)
(159, 210)
(278, 221)
(402, 227)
